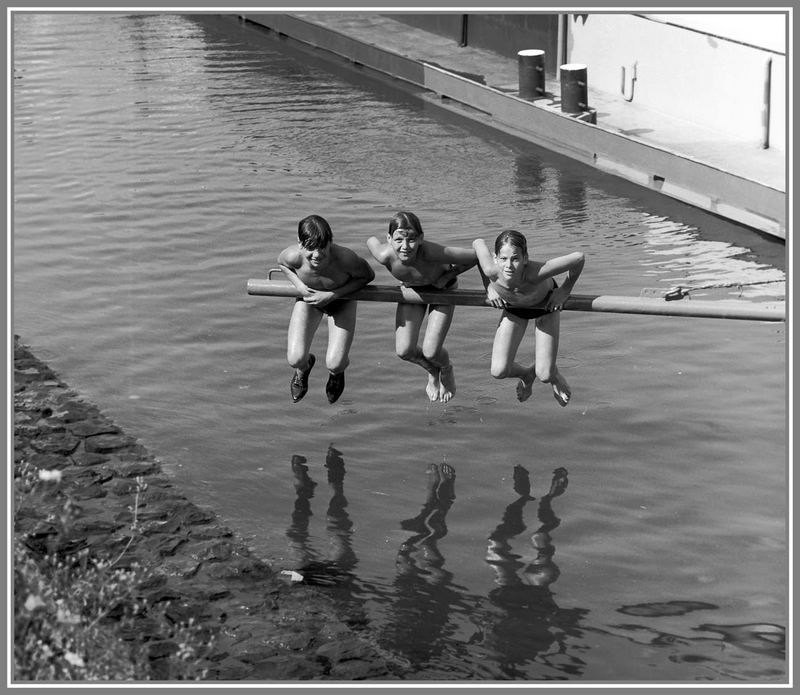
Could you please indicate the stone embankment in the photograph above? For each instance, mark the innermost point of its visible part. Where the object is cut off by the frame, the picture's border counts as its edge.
(264, 628)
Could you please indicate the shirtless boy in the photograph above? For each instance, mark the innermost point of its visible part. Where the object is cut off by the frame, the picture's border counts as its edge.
(526, 290)
(324, 273)
(423, 265)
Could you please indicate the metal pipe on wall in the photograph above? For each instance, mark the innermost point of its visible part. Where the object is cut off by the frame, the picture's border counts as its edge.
(561, 46)
(765, 111)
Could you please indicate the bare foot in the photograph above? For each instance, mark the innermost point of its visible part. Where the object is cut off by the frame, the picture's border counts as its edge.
(525, 386)
(433, 387)
(447, 383)
(561, 390)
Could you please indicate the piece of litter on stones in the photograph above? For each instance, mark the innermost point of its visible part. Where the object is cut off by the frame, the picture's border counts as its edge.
(292, 576)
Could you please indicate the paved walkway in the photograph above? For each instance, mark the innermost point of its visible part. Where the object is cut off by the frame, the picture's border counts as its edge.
(741, 158)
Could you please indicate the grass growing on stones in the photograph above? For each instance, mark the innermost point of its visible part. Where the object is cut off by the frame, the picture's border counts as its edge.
(81, 618)
(118, 576)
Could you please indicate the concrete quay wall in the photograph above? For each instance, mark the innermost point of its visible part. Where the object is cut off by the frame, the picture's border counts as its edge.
(757, 201)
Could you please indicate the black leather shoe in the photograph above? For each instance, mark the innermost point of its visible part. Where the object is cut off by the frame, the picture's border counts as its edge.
(334, 387)
(299, 384)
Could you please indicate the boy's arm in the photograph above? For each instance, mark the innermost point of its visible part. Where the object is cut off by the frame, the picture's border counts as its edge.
(380, 251)
(377, 248)
(488, 271)
(484, 258)
(572, 264)
(289, 261)
(464, 258)
(361, 274)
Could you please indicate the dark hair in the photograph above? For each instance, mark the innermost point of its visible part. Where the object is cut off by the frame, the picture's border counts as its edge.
(513, 238)
(314, 232)
(405, 220)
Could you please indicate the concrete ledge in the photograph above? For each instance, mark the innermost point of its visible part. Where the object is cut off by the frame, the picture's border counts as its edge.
(670, 173)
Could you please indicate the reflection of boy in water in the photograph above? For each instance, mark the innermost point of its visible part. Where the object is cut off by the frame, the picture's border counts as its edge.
(529, 622)
(339, 525)
(423, 587)
(541, 571)
(429, 524)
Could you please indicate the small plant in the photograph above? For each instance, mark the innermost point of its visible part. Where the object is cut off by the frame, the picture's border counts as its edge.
(76, 617)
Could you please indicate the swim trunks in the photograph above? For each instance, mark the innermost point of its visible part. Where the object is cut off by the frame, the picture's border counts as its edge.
(433, 288)
(529, 312)
(331, 307)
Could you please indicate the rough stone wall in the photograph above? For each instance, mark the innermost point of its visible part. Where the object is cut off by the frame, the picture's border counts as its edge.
(264, 627)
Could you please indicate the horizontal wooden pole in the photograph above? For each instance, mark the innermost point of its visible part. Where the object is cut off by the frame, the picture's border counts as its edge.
(615, 304)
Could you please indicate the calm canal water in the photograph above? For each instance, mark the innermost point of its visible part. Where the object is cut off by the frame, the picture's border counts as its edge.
(161, 161)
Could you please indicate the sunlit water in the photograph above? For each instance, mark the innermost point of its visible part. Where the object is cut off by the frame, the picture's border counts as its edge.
(161, 161)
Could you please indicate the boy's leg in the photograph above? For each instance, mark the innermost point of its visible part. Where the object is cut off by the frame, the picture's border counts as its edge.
(408, 320)
(439, 319)
(547, 335)
(302, 327)
(507, 339)
(341, 329)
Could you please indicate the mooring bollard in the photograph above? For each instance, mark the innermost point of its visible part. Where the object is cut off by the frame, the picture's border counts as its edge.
(574, 91)
(531, 73)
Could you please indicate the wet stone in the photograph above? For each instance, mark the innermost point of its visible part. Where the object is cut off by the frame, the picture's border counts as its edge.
(287, 668)
(96, 526)
(210, 532)
(48, 462)
(108, 443)
(161, 648)
(84, 458)
(240, 568)
(190, 564)
(181, 613)
(231, 669)
(56, 444)
(131, 469)
(82, 477)
(124, 487)
(183, 567)
(75, 412)
(92, 428)
(90, 492)
(168, 546)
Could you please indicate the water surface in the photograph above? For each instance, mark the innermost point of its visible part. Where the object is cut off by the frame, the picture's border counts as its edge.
(162, 160)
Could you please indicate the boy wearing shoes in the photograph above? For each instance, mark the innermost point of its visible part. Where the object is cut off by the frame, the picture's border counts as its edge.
(324, 273)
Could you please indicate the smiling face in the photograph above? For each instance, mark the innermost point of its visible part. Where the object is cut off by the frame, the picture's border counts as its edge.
(406, 243)
(511, 260)
(317, 258)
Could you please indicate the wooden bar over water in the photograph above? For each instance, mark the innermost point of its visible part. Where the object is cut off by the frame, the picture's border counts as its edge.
(615, 304)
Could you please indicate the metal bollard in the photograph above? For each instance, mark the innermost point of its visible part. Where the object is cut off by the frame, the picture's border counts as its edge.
(531, 73)
(574, 90)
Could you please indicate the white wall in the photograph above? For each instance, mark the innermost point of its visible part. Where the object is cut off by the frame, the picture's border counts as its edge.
(691, 74)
